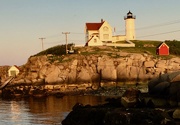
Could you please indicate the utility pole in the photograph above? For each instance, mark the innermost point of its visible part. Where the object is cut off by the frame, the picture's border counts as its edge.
(66, 33)
(42, 39)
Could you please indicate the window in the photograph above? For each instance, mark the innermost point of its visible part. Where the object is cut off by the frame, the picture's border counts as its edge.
(106, 36)
(105, 28)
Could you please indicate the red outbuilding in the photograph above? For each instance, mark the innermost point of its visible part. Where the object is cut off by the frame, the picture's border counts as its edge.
(162, 49)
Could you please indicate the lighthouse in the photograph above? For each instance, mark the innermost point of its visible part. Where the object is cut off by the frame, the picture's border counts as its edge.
(130, 26)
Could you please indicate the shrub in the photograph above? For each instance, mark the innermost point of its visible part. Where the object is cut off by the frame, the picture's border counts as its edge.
(56, 50)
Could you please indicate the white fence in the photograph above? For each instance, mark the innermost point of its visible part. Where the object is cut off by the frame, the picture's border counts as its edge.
(128, 44)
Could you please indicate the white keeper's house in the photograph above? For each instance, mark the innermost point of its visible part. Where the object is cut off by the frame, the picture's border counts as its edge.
(101, 33)
(13, 71)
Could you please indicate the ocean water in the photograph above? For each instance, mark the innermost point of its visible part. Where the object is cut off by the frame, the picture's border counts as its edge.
(41, 111)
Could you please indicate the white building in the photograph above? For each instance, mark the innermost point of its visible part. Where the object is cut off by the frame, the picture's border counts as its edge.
(13, 71)
(99, 34)
(130, 26)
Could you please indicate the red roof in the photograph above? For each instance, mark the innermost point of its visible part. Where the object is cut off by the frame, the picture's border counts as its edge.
(163, 43)
(93, 26)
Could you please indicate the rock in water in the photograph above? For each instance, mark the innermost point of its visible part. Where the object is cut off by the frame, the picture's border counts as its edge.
(166, 86)
(103, 115)
(130, 97)
(176, 114)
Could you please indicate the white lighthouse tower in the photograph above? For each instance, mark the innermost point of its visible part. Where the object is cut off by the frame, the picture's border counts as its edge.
(130, 26)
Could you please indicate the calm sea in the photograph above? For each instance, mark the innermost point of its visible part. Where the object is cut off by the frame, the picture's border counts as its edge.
(41, 111)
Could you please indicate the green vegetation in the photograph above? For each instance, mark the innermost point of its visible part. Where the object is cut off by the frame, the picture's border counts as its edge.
(141, 46)
(147, 46)
(55, 58)
(146, 43)
(174, 47)
(89, 53)
(56, 50)
(56, 53)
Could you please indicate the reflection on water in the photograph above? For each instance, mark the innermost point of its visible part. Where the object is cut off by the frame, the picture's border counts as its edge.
(41, 111)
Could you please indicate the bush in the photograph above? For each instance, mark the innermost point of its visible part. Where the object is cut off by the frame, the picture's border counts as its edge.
(56, 50)
(174, 47)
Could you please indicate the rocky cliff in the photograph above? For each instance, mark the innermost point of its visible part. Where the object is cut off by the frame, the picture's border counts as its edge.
(91, 69)
(78, 68)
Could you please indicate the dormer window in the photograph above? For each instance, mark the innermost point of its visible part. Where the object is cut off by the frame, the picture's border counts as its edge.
(105, 28)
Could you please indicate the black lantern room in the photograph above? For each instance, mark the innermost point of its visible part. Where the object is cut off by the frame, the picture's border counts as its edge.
(129, 16)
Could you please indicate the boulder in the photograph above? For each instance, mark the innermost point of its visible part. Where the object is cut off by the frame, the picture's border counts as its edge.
(176, 60)
(84, 75)
(176, 114)
(38, 81)
(137, 73)
(134, 72)
(107, 68)
(152, 83)
(161, 88)
(129, 62)
(74, 64)
(137, 63)
(133, 117)
(160, 70)
(72, 76)
(161, 64)
(109, 73)
(176, 78)
(166, 86)
(122, 72)
(149, 64)
(130, 97)
(42, 72)
(137, 57)
(174, 93)
(173, 76)
(103, 115)
(53, 77)
(175, 66)
(168, 77)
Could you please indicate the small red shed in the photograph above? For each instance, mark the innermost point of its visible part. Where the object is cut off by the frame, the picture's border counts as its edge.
(162, 49)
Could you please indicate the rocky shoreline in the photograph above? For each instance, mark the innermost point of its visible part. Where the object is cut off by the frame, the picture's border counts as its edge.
(129, 103)
(114, 66)
(110, 74)
(77, 72)
(27, 91)
(160, 106)
(113, 113)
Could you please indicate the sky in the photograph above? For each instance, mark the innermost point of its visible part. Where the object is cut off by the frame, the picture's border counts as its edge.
(23, 22)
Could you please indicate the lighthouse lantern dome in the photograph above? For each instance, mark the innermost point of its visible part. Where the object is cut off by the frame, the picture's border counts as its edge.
(130, 16)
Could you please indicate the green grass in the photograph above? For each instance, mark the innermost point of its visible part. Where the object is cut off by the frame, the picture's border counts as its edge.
(89, 53)
(143, 43)
(55, 58)
(56, 50)
(141, 46)
(147, 46)
(174, 47)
